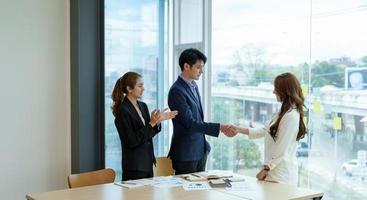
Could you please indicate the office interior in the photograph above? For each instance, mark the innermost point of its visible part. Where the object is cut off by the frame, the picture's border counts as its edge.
(60, 59)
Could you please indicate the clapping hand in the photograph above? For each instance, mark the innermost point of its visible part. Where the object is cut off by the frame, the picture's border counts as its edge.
(226, 129)
(165, 114)
(157, 116)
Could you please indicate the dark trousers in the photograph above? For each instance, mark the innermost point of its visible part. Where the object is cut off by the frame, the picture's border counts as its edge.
(133, 175)
(186, 167)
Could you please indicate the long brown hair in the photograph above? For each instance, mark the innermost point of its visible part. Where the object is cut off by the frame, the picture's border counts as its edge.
(288, 88)
(119, 92)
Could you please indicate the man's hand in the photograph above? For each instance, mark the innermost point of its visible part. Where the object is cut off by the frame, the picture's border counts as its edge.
(237, 129)
(225, 128)
(234, 129)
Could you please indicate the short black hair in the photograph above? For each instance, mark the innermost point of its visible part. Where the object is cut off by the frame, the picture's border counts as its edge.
(190, 56)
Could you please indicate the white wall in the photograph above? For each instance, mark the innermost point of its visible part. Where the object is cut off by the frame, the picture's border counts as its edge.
(34, 96)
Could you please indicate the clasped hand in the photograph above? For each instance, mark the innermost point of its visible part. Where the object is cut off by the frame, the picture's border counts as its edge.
(228, 130)
(261, 175)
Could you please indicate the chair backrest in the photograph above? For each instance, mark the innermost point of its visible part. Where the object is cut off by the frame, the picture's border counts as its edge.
(91, 178)
(164, 167)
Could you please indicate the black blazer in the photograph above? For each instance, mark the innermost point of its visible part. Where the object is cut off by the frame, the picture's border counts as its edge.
(136, 138)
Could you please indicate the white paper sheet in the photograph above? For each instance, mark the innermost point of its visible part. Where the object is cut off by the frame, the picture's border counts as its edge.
(166, 182)
(238, 186)
(196, 186)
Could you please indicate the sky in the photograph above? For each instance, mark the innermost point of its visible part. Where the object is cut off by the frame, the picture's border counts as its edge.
(280, 28)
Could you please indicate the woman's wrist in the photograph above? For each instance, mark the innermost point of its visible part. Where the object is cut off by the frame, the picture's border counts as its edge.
(152, 124)
(244, 131)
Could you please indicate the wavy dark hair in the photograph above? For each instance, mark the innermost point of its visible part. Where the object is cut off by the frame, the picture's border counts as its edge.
(288, 88)
(119, 92)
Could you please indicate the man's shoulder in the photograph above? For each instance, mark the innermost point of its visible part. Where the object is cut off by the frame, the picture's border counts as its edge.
(176, 87)
(174, 91)
(176, 83)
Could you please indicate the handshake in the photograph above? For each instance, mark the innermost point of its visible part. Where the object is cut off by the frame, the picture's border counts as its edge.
(229, 130)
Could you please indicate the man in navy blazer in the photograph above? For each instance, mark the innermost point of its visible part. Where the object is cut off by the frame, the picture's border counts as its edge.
(189, 147)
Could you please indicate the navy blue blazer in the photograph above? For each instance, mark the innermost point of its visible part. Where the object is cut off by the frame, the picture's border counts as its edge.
(189, 130)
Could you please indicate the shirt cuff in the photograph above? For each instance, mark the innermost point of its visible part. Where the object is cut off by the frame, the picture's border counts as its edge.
(270, 165)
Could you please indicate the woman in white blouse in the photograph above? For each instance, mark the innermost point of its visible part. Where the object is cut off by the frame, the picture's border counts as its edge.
(282, 134)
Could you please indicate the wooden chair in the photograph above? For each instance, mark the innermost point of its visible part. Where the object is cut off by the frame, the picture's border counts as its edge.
(163, 167)
(91, 178)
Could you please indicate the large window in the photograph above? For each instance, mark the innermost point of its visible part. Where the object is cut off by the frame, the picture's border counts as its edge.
(134, 41)
(248, 43)
(324, 44)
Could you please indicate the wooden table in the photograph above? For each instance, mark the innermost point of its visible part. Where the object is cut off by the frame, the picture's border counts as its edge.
(262, 190)
(258, 190)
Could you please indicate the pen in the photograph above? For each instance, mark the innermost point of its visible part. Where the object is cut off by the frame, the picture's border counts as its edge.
(128, 183)
(196, 175)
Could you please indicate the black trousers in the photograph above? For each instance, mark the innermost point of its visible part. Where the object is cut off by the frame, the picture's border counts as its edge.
(133, 175)
(186, 167)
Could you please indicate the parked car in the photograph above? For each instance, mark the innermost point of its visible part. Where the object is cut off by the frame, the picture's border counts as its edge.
(355, 167)
(302, 150)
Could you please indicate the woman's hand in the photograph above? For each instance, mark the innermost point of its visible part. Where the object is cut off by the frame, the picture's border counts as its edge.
(154, 117)
(261, 175)
(157, 116)
(237, 129)
(234, 129)
(165, 114)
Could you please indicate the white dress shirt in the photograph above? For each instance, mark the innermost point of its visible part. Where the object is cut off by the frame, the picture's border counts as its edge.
(280, 155)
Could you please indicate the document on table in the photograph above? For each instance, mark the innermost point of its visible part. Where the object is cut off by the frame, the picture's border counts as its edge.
(196, 186)
(238, 186)
(161, 182)
(208, 175)
(135, 183)
(167, 181)
(145, 181)
(129, 184)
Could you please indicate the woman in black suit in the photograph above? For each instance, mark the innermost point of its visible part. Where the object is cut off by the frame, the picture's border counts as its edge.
(135, 127)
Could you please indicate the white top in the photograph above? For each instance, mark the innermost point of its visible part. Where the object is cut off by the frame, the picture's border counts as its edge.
(140, 114)
(280, 155)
